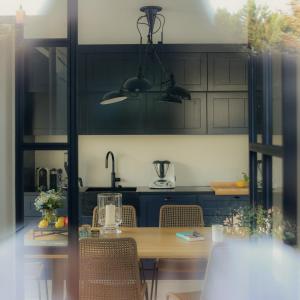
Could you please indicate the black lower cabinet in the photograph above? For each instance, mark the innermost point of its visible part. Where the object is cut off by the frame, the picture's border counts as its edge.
(147, 205)
(215, 208)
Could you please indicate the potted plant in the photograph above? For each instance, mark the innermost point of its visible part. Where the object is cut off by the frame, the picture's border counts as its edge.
(47, 203)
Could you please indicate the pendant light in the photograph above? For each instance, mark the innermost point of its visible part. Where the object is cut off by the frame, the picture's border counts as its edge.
(113, 97)
(155, 22)
(176, 90)
(138, 84)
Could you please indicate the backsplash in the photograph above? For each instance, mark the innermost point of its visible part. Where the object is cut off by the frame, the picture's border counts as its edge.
(198, 159)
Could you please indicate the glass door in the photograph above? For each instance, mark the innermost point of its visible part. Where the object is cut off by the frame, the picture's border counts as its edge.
(272, 139)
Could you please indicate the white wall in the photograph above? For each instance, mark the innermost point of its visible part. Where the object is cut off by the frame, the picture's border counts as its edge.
(6, 132)
(198, 159)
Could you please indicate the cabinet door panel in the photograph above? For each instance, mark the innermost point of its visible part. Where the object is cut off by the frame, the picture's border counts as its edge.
(187, 117)
(123, 117)
(227, 72)
(163, 116)
(227, 113)
(107, 71)
(189, 69)
(195, 113)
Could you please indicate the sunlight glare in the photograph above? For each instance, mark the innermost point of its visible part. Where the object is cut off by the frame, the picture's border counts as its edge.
(31, 7)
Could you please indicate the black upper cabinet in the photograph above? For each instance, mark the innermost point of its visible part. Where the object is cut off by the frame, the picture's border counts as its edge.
(189, 69)
(119, 118)
(227, 113)
(227, 72)
(107, 71)
(104, 68)
(169, 118)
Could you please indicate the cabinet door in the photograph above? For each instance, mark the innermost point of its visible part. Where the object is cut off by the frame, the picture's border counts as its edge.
(227, 113)
(125, 117)
(174, 118)
(227, 72)
(189, 69)
(107, 71)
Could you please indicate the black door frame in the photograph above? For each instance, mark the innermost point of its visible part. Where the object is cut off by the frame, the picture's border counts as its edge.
(71, 146)
(288, 151)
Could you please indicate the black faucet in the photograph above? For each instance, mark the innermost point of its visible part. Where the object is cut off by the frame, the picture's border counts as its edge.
(114, 179)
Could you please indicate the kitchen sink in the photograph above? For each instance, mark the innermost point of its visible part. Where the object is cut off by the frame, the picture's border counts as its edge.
(109, 189)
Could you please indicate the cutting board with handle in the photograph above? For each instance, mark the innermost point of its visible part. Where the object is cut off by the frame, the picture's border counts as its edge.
(228, 188)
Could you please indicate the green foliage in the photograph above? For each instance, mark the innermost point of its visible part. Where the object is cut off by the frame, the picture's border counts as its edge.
(266, 30)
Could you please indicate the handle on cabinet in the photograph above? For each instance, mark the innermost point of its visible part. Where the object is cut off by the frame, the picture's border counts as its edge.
(167, 199)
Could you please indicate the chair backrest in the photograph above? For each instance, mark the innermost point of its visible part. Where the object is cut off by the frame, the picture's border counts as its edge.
(181, 216)
(109, 269)
(128, 216)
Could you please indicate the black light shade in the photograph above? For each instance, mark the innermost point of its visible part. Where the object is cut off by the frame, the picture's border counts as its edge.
(113, 97)
(171, 98)
(179, 91)
(137, 84)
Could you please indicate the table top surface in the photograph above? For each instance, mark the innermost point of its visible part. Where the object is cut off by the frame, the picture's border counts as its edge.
(152, 242)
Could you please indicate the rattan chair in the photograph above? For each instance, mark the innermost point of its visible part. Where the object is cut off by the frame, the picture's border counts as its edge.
(109, 270)
(128, 216)
(184, 296)
(178, 216)
(181, 216)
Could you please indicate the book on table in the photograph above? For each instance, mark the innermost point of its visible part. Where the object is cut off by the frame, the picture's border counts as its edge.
(190, 236)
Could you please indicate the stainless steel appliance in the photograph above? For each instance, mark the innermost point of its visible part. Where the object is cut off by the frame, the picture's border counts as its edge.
(164, 175)
(53, 179)
(42, 178)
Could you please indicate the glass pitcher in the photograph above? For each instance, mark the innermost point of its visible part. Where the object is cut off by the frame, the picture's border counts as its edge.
(110, 212)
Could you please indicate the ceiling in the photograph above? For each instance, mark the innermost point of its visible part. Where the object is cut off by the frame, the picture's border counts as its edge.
(187, 21)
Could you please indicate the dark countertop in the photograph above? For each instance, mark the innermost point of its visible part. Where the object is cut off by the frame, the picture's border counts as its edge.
(177, 189)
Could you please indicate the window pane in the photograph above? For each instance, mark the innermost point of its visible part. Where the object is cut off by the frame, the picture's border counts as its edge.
(45, 114)
(44, 171)
(277, 181)
(259, 178)
(45, 19)
(259, 99)
(277, 98)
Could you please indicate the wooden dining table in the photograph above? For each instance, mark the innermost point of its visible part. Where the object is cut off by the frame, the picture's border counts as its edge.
(152, 242)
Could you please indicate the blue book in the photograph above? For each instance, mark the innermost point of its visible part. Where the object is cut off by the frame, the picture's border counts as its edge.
(190, 236)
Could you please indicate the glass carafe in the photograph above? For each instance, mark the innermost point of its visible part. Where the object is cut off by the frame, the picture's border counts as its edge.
(110, 212)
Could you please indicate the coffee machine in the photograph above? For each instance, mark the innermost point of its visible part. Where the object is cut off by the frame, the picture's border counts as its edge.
(164, 175)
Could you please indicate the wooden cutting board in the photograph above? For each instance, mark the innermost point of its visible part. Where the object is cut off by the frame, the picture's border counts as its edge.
(228, 188)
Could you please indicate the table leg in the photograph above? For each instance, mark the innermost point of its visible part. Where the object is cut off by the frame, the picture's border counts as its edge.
(58, 279)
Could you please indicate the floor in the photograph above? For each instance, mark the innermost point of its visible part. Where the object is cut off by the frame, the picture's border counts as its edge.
(165, 286)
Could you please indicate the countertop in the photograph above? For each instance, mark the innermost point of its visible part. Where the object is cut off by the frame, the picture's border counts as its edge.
(177, 189)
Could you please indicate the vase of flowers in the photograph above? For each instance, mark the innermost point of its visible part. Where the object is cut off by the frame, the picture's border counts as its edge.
(47, 203)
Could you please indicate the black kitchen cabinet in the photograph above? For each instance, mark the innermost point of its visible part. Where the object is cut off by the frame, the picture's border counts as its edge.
(120, 118)
(189, 69)
(107, 71)
(215, 208)
(227, 113)
(147, 205)
(165, 117)
(104, 68)
(227, 72)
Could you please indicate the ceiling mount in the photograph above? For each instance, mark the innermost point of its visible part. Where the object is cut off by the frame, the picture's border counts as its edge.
(151, 13)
